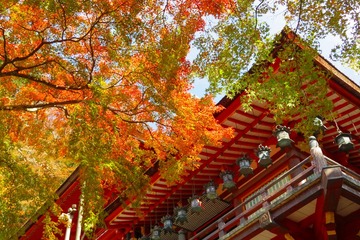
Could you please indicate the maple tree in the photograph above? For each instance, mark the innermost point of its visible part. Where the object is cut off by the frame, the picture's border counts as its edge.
(102, 85)
(231, 45)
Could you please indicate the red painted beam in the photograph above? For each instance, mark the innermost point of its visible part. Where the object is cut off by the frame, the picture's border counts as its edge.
(237, 121)
(308, 221)
(242, 144)
(345, 93)
(127, 202)
(319, 225)
(348, 111)
(248, 115)
(296, 230)
(350, 227)
(234, 105)
(256, 138)
(68, 197)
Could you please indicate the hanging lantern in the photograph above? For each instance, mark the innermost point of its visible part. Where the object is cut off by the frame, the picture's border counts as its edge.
(156, 232)
(344, 141)
(210, 189)
(181, 234)
(195, 204)
(180, 215)
(263, 152)
(245, 165)
(282, 134)
(168, 224)
(227, 177)
(318, 123)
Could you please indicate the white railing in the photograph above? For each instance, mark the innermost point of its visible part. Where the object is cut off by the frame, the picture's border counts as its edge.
(283, 190)
(271, 194)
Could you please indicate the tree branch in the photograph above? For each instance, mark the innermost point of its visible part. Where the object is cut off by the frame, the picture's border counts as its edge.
(34, 79)
(299, 17)
(20, 68)
(256, 13)
(37, 48)
(4, 46)
(34, 107)
(93, 60)
(64, 19)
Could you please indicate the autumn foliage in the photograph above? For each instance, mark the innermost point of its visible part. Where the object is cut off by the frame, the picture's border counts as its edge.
(102, 85)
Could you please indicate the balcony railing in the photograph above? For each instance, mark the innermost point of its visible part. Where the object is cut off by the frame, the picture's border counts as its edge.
(299, 178)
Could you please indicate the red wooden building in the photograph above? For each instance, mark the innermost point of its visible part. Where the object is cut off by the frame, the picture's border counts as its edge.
(301, 195)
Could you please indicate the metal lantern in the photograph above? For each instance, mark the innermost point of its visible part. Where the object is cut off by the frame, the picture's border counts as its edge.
(245, 165)
(195, 204)
(181, 234)
(263, 152)
(227, 177)
(344, 141)
(318, 123)
(156, 232)
(210, 189)
(180, 215)
(168, 224)
(282, 134)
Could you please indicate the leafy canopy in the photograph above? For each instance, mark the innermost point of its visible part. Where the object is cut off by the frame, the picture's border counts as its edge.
(230, 47)
(102, 85)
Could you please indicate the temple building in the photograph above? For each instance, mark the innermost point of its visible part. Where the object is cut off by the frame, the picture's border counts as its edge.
(257, 185)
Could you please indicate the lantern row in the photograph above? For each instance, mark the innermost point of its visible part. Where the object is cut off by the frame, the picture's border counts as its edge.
(282, 134)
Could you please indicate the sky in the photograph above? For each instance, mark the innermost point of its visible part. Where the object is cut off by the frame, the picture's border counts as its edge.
(277, 23)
